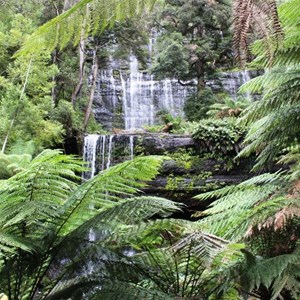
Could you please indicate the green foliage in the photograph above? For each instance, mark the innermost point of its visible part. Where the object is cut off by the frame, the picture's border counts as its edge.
(195, 39)
(222, 136)
(172, 60)
(46, 214)
(197, 105)
(25, 101)
(228, 107)
(264, 212)
(273, 118)
(67, 27)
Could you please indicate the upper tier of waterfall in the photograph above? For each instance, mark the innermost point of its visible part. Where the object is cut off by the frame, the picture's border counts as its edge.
(131, 99)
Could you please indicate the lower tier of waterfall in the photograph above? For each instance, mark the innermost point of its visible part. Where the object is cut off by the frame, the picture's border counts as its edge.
(102, 151)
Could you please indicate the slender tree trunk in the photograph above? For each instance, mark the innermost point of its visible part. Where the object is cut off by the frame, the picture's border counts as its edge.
(93, 87)
(81, 50)
(78, 87)
(53, 89)
(12, 122)
(200, 76)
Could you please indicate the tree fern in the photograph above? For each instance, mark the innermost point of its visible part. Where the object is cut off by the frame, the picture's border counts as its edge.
(263, 17)
(275, 116)
(272, 273)
(44, 210)
(67, 27)
(245, 205)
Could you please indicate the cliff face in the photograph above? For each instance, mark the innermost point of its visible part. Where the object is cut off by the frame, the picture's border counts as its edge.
(186, 173)
(129, 98)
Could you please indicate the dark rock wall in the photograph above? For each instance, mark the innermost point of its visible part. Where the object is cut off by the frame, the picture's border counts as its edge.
(127, 97)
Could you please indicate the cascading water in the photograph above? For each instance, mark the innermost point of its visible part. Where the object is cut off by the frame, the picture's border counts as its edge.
(230, 82)
(144, 97)
(103, 151)
(89, 154)
(131, 100)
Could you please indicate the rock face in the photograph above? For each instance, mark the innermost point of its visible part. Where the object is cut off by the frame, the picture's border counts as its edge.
(130, 98)
(230, 82)
(160, 143)
(127, 97)
(185, 174)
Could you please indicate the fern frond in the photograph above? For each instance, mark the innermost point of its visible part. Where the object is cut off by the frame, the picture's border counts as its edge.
(269, 271)
(33, 195)
(128, 291)
(261, 16)
(129, 212)
(256, 180)
(104, 190)
(68, 27)
(244, 205)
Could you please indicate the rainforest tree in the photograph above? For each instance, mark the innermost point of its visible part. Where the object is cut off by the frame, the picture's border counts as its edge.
(197, 34)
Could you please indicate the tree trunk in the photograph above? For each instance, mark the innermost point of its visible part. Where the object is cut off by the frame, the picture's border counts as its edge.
(200, 77)
(81, 50)
(12, 122)
(93, 87)
(78, 87)
(53, 89)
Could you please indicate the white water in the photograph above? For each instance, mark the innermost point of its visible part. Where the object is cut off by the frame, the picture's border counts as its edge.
(89, 154)
(109, 151)
(99, 149)
(131, 146)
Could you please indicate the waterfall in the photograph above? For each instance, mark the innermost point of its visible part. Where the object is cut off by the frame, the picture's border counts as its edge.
(103, 151)
(131, 145)
(245, 78)
(143, 97)
(110, 141)
(89, 154)
(129, 98)
(230, 82)
(132, 99)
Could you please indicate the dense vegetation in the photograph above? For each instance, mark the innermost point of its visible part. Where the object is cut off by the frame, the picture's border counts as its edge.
(100, 239)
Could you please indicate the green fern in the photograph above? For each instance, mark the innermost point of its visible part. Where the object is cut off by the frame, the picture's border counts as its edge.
(45, 211)
(96, 15)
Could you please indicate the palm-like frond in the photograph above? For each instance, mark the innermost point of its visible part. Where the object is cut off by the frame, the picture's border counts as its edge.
(245, 205)
(229, 107)
(261, 16)
(105, 190)
(36, 193)
(273, 273)
(288, 53)
(45, 210)
(275, 117)
(88, 17)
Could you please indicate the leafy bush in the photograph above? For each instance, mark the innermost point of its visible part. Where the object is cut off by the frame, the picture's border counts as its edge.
(219, 135)
(196, 106)
(228, 107)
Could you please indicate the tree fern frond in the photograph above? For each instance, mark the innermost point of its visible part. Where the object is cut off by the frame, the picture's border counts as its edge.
(265, 271)
(73, 287)
(244, 205)
(117, 290)
(34, 194)
(109, 186)
(129, 212)
(9, 243)
(68, 26)
(261, 15)
(202, 245)
(256, 180)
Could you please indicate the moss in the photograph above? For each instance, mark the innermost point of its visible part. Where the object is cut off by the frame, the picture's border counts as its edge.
(183, 157)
